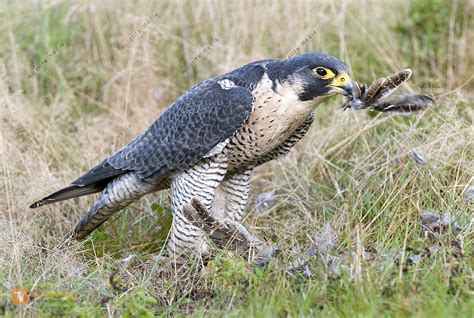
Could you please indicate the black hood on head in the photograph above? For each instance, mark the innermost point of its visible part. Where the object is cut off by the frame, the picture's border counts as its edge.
(284, 68)
(299, 69)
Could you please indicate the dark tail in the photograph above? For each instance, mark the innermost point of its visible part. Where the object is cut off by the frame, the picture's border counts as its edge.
(71, 191)
(93, 181)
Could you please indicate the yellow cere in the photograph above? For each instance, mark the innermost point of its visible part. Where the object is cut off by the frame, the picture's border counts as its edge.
(341, 80)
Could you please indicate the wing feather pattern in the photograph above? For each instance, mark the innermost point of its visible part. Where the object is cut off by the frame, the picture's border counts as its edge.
(206, 115)
(187, 131)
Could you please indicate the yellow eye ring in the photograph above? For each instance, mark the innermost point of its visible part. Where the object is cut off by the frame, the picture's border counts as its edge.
(323, 72)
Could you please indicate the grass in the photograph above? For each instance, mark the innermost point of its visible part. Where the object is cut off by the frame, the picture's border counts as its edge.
(354, 170)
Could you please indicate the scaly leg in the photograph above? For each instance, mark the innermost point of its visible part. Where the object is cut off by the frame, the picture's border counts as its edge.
(228, 234)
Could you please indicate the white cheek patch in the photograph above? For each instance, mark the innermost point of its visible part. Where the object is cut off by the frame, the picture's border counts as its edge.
(226, 84)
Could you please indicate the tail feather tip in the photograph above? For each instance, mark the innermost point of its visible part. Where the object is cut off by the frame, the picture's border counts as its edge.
(39, 203)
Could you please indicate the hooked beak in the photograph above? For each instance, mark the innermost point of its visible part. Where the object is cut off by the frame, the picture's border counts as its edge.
(343, 84)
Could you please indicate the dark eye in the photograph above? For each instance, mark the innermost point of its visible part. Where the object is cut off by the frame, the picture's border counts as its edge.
(321, 71)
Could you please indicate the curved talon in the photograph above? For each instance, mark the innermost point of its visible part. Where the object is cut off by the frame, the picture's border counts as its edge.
(227, 233)
(249, 238)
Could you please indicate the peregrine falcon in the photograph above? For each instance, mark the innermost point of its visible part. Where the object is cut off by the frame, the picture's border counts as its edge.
(208, 142)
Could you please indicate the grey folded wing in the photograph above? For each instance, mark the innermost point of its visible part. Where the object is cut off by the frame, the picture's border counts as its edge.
(201, 119)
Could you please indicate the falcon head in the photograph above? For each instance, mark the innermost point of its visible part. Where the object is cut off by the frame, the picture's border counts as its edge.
(317, 75)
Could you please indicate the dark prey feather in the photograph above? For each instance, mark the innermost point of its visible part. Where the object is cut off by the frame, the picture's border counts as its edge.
(375, 96)
(405, 104)
(383, 87)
